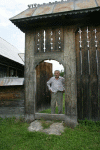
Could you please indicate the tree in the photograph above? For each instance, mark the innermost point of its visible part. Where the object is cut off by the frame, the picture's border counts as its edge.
(62, 73)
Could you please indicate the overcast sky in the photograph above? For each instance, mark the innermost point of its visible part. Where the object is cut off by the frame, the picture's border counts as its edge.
(8, 31)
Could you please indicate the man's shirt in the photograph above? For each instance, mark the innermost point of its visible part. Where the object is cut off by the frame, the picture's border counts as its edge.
(56, 85)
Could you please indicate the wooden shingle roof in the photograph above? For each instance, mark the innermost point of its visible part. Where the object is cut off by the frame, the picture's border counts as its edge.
(36, 12)
(57, 7)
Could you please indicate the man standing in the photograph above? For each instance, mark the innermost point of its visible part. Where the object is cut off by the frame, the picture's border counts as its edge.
(56, 86)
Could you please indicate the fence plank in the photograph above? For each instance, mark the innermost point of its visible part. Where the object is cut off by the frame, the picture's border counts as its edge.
(38, 41)
(85, 75)
(48, 40)
(88, 85)
(59, 39)
(99, 83)
(93, 78)
(53, 36)
(42, 40)
(79, 77)
(98, 48)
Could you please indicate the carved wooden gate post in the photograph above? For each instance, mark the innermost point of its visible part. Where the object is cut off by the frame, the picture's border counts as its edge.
(70, 71)
(30, 79)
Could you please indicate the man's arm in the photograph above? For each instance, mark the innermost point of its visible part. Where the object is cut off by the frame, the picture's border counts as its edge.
(48, 84)
(63, 82)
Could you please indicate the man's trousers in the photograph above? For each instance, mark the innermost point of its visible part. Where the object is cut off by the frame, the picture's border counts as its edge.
(58, 96)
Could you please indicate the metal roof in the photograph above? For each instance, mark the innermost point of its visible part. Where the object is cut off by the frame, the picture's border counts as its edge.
(9, 51)
(37, 10)
(22, 56)
(11, 81)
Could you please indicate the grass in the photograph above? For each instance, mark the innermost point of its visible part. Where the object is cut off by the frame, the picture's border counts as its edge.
(15, 136)
(48, 111)
(45, 124)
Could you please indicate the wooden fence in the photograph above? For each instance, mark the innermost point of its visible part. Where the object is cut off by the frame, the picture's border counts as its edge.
(88, 72)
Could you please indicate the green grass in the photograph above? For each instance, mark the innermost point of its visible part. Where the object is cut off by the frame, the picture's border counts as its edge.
(48, 111)
(15, 136)
(45, 124)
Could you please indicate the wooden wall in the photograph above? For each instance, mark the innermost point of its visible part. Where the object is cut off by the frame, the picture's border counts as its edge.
(88, 73)
(7, 65)
(11, 100)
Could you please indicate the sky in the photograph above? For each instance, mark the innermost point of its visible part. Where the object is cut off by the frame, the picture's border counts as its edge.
(8, 31)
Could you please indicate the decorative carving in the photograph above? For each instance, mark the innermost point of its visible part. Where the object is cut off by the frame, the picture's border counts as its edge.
(95, 38)
(89, 48)
(49, 41)
(88, 37)
(50, 3)
(80, 33)
(38, 42)
(59, 38)
(96, 45)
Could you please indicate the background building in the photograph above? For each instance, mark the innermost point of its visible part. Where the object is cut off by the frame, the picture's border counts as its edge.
(11, 80)
(11, 64)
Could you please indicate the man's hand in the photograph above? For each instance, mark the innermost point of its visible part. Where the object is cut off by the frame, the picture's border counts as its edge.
(50, 91)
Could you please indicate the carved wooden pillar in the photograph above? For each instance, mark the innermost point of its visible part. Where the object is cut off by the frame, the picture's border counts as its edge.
(70, 71)
(29, 76)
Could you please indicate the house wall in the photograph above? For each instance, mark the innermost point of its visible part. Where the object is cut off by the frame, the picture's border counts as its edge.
(9, 68)
(11, 101)
(3, 71)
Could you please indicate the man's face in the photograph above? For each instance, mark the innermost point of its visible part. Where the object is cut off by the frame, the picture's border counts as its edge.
(57, 74)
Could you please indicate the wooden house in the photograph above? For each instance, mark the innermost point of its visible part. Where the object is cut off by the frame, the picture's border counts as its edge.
(11, 80)
(11, 64)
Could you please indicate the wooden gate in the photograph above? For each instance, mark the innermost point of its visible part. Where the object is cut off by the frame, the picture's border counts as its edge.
(88, 72)
(43, 96)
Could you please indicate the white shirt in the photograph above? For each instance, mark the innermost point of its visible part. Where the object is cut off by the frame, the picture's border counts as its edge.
(56, 85)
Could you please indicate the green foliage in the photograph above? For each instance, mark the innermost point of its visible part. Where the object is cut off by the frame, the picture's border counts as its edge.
(48, 111)
(89, 123)
(62, 73)
(15, 136)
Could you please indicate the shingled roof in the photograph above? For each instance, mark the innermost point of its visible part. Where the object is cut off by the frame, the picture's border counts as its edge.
(39, 12)
(57, 7)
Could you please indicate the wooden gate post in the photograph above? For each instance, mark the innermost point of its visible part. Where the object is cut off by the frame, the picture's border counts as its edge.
(30, 79)
(70, 82)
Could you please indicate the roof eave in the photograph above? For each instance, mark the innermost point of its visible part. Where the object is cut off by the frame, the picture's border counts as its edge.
(35, 19)
(57, 14)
